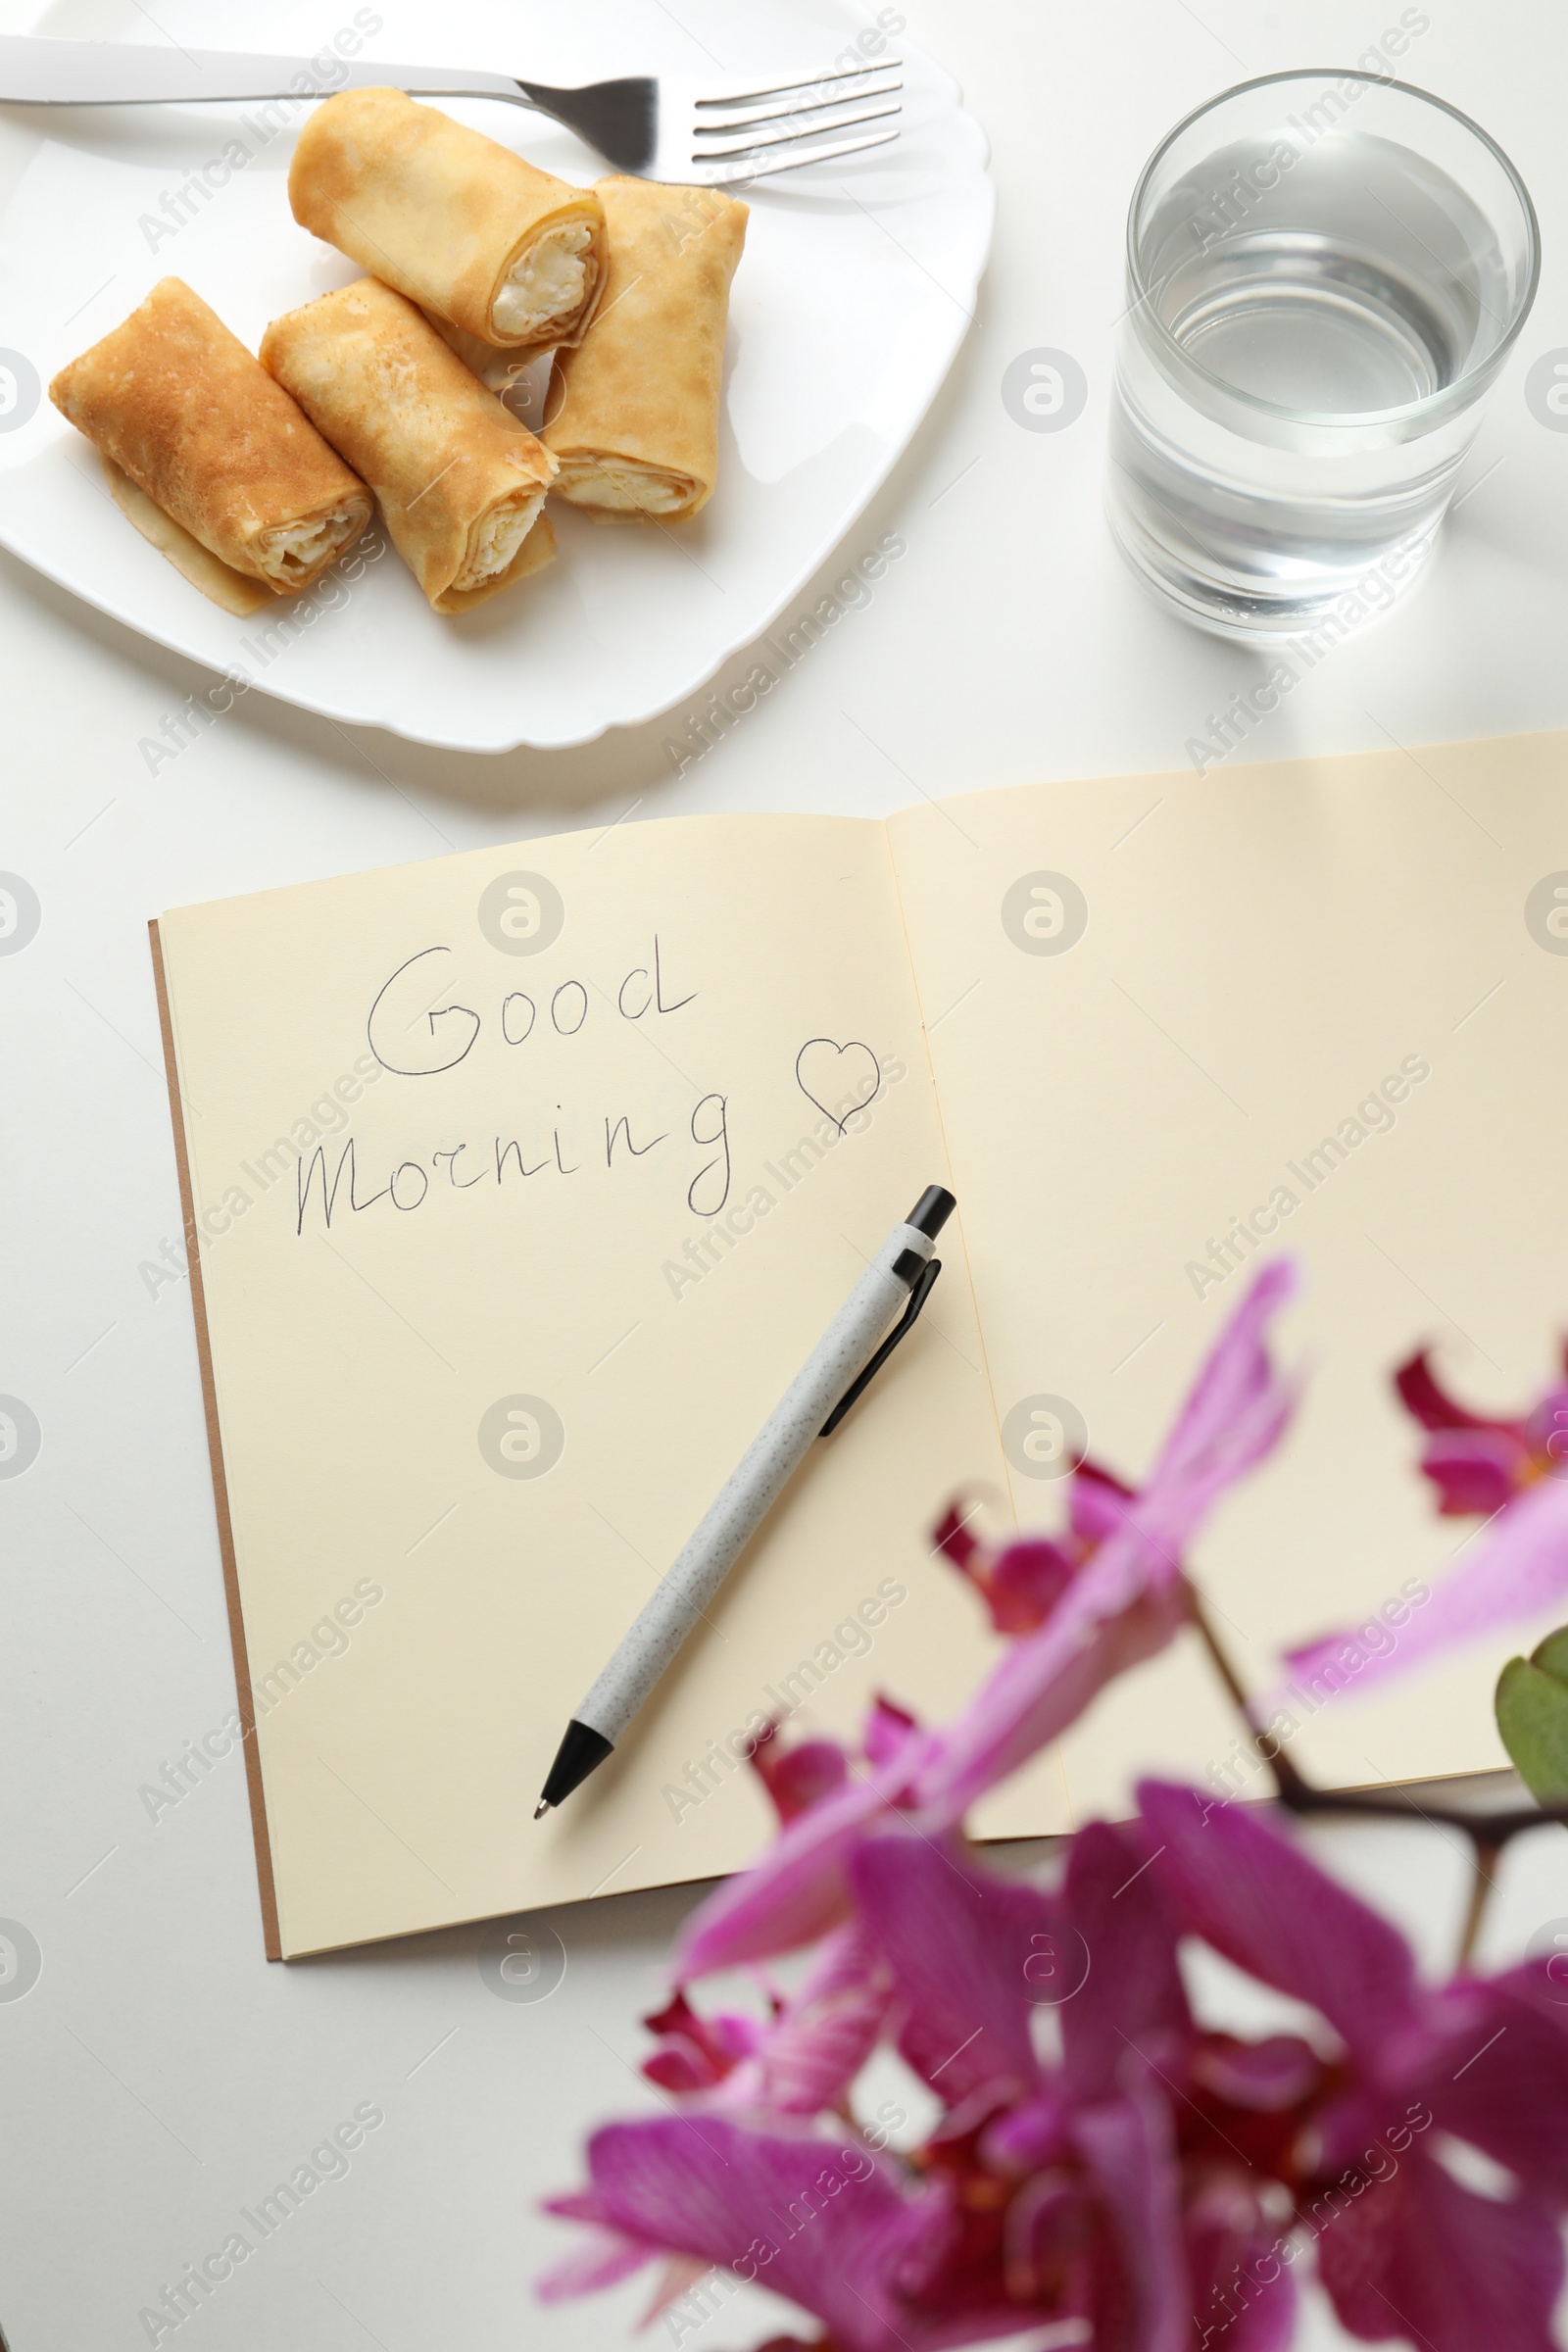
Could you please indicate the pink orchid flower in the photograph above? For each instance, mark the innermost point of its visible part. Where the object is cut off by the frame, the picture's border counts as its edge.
(1416, 2084)
(1043, 2194)
(1155, 2188)
(1512, 1473)
(803, 2059)
(1084, 1608)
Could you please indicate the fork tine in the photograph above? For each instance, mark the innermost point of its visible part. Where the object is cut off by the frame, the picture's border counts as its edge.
(789, 89)
(769, 112)
(742, 174)
(793, 138)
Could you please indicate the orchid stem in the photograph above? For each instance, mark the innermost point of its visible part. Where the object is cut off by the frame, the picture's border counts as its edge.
(1484, 1878)
(1286, 1780)
(1296, 1792)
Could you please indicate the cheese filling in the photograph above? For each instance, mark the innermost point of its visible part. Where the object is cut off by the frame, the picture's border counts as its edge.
(547, 284)
(623, 487)
(292, 551)
(496, 537)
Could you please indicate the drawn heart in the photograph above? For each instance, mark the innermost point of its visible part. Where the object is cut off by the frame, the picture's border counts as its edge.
(839, 1079)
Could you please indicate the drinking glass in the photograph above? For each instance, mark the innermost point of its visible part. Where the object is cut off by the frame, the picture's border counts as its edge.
(1325, 273)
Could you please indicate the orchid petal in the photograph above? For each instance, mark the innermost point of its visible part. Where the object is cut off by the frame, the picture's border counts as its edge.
(798, 1777)
(823, 2223)
(1236, 1381)
(680, 2066)
(805, 2060)
(1129, 2154)
(798, 1890)
(1095, 1500)
(953, 1537)
(1497, 2073)
(695, 2052)
(1130, 1598)
(677, 2276)
(602, 2259)
(1518, 1571)
(1048, 2247)
(1423, 1396)
(1264, 2078)
(1546, 1433)
(1023, 2139)
(576, 2205)
(1106, 1623)
(1133, 1993)
(1187, 1495)
(1027, 1580)
(1243, 2295)
(958, 1940)
(1268, 2323)
(1417, 2255)
(1257, 1899)
(1476, 1471)
(887, 1727)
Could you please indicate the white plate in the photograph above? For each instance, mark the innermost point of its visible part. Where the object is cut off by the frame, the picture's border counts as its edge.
(853, 296)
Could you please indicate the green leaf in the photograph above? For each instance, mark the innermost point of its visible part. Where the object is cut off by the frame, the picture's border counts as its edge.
(1533, 1717)
(1551, 1655)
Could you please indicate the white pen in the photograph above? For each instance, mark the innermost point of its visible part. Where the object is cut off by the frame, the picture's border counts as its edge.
(853, 1348)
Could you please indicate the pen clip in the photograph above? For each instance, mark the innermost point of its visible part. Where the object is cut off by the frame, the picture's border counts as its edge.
(919, 1293)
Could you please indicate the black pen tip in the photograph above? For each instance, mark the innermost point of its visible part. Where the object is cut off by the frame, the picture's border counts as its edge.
(541, 1808)
(581, 1751)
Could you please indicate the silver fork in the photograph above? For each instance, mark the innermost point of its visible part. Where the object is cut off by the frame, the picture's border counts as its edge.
(658, 129)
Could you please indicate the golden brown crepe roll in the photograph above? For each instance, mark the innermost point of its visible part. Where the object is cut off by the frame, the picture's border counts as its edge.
(633, 412)
(459, 481)
(497, 368)
(235, 591)
(179, 405)
(459, 224)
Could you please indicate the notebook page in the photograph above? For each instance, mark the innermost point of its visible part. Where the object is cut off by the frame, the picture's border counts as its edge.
(1307, 997)
(525, 1181)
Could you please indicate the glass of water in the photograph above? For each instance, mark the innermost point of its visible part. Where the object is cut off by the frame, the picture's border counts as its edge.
(1325, 272)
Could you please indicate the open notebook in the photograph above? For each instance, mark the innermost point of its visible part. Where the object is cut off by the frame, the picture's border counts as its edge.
(525, 1179)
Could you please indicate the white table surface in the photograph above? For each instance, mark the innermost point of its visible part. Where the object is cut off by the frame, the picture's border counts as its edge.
(159, 2073)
